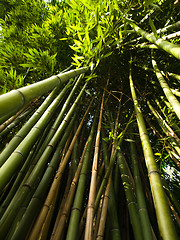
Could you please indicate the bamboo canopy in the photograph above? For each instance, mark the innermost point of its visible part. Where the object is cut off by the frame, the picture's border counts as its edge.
(92, 152)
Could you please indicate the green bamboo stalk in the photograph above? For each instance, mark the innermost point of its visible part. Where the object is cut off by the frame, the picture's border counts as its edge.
(170, 48)
(175, 76)
(167, 91)
(16, 99)
(36, 202)
(165, 223)
(174, 26)
(52, 195)
(111, 164)
(11, 119)
(26, 128)
(130, 198)
(60, 117)
(73, 227)
(143, 213)
(175, 92)
(19, 119)
(38, 170)
(172, 137)
(61, 222)
(110, 194)
(17, 158)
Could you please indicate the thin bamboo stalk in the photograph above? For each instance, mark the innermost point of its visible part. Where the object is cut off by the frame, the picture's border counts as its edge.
(166, 226)
(19, 119)
(92, 191)
(16, 99)
(108, 171)
(11, 119)
(176, 76)
(167, 91)
(109, 196)
(172, 137)
(72, 232)
(57, 180)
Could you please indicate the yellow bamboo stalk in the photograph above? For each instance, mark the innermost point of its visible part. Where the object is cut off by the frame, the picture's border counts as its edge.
(92, 192)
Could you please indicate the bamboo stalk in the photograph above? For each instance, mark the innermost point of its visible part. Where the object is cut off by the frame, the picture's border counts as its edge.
(60, 117)
(167, 91)
(26, 128)
(108, 171)
(17, 158)
(131, 201)
(170, 48)
(165, 223)
(16, 99)
(72, 232)
(65, 211)
(57, 180)
(39, 168)
(92, 191)
(39, 195)
(143, 213)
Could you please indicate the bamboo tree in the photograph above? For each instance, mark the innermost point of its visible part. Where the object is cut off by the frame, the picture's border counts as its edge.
(165, 223)
(16, 99)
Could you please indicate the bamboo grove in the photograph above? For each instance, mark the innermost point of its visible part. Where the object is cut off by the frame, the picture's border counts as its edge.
(90, 120)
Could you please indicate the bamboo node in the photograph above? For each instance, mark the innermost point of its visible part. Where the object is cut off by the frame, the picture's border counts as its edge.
(153, 171)
(59, 79)
(22, 95)
(76, 209)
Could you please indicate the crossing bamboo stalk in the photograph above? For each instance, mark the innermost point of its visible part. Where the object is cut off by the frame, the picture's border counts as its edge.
(167, 91)
(170, 48)
(109, 169)
(60, 116)
(16, 99)
(166, 226)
